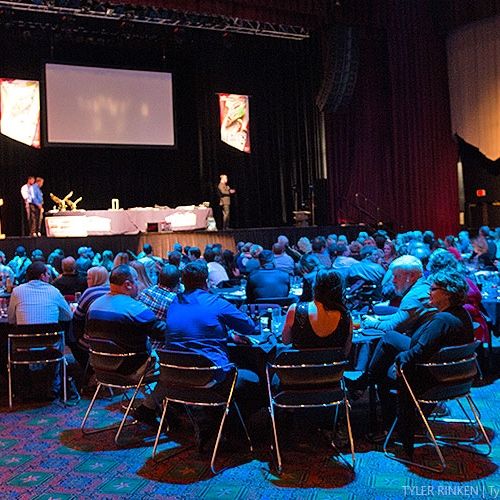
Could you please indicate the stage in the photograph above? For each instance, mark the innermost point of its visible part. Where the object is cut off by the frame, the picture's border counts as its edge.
(163, 242)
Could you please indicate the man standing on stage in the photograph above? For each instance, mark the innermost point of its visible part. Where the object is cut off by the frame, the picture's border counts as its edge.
(25, 193)
(36, 207)
(225, 193)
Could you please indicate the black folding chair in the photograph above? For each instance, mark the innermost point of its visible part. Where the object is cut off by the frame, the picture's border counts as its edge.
(35, 344)
(452, 370)
(106, 358)
(194, 380)
(309, 378)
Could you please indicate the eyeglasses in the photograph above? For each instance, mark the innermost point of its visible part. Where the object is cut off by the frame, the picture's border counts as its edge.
(434, 288)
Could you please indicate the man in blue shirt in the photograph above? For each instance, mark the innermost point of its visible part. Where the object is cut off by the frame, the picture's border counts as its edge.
(36, 207)
(198, 321)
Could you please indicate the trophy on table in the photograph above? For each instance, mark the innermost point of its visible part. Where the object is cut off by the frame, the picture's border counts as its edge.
(63, 203)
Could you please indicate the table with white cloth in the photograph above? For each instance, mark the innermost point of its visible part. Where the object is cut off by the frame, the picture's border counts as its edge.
(81, 223)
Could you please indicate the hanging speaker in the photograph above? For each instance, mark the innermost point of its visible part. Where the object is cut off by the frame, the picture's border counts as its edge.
(341, 69)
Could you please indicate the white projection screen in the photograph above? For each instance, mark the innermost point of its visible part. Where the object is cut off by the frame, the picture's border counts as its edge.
(104, 106)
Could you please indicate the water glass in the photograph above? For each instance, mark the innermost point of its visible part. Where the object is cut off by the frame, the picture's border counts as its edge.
(277, 321)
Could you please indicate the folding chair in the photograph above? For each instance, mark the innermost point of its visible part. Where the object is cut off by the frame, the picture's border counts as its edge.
(194, 380)
(35, 344)
(309, 378)
(452, 370)
(106, 358)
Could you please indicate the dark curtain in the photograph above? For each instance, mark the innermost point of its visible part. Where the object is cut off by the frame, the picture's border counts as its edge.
(279, 75)
(393, 144)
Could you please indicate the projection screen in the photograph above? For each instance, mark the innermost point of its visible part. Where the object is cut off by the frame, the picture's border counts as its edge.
(104, 106)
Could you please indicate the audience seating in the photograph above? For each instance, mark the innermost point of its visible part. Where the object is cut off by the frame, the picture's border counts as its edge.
(309, 378)
(36, 344)
(281, 301)
(193, 380)
(454, 370)
(106, 358)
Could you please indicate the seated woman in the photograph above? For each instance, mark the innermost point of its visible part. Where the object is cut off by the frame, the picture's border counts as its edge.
(98, 285)
(323, 322)
(451, 325)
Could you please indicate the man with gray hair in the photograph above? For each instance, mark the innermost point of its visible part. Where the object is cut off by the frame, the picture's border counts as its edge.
(410, 284)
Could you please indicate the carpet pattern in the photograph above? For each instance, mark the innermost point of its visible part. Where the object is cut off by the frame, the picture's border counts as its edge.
(43, 455)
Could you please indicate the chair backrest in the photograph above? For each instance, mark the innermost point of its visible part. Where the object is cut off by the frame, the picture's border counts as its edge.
(451, 370)
(281, 301)
(36, 336)
(106, 355)
(310, 368)
(257, 308)
(192, 370)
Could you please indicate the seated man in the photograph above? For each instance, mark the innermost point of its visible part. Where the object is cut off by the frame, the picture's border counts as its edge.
(129, 323)
(38, 302)
(70, 282)
(159, 297)
(267, 281)
(198, 321)
(410, 284)
(367, 270)
(282, 259)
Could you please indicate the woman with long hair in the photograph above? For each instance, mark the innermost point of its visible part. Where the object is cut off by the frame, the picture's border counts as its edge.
(144, 281)
(324, 321)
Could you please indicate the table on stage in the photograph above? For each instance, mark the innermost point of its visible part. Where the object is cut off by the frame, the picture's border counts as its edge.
(81, 223)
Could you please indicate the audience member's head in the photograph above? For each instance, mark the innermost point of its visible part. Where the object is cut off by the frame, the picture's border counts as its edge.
(195, 275)
(369, 252)
(175, 258)
(209, 255)
(448, 288)
(68, 265)
(124, 280)
(278, 249)
(255, 251)
(20, 251)
(308, 263)
(37, 255)
(147, 249)
(329, 290)
(97, 276)
(283, 240)
(194, 253)
(304, 245)
(266, 259)
(170, 277)
(318, 244)
(354, 249)
(37, 271)
(121, 258)
(442, 259)
(406, 271)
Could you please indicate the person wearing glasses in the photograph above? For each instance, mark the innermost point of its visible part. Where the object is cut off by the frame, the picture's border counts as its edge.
(451, 325)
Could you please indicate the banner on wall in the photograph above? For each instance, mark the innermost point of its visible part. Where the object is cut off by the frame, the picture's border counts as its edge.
(20, 110)
(235, 121)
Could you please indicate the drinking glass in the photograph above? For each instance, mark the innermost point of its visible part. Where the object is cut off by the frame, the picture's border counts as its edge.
(276, 320)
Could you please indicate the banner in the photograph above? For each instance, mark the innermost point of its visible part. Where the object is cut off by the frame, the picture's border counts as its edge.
(20, 110)
(235, 121)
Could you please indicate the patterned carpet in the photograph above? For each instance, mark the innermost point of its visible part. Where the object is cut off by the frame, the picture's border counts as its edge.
(44, 456)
